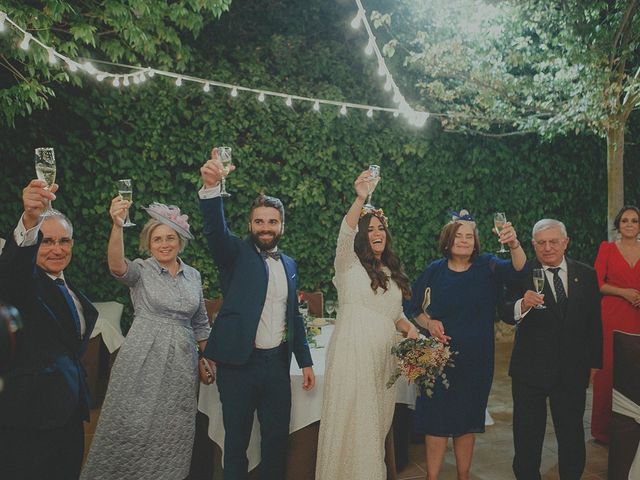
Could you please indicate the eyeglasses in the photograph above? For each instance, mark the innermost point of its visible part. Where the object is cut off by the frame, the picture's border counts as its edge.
(553, 243)
(64, 242)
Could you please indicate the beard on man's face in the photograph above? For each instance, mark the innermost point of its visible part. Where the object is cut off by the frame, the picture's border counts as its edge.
(267, 242)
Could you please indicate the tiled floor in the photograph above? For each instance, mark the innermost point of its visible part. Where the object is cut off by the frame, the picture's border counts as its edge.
(494, 449)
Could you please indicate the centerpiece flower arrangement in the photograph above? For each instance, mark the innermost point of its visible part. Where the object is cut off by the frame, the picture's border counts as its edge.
(423, 362)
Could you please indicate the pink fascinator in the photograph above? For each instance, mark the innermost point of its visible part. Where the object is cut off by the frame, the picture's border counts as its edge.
(170, 216)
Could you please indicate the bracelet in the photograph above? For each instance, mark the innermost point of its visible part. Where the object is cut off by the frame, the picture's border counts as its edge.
(516, 247)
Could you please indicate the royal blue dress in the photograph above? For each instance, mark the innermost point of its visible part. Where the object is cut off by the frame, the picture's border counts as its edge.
(465, 302)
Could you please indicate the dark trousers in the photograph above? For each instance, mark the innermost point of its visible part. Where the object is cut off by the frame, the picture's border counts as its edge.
(567, 405)
(32, 454)
(262, 384)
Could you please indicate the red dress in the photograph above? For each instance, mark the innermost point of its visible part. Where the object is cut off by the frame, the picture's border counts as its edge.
(617, 314)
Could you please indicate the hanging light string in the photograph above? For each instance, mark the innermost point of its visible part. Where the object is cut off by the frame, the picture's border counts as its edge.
(139, 75)
(414, 117)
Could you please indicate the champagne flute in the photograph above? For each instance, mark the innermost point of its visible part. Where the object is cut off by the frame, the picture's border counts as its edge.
(499, 220)
(538, 283)
(125, 189)
(45, 161)
(372, 182)
(224, 155)
(330, 307)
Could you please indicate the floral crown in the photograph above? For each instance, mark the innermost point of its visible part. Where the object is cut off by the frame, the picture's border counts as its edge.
(376, 212)
(170, 215)
(463, 216)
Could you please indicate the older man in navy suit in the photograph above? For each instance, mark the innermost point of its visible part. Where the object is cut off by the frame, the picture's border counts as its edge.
(45, 399)
(256, 331)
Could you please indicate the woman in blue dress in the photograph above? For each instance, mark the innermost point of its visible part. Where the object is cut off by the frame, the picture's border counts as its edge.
(455, 300)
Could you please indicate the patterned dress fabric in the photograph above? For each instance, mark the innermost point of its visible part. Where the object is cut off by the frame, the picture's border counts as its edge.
(357, 407)
(617, 314)
(147, 424)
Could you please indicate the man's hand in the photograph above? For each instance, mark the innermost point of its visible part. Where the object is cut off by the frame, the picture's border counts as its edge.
(207, 370)
(35, 199)
(530, 300)
(308, 378)
(212, 171)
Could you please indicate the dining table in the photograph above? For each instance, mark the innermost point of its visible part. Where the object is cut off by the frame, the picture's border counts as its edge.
(306, 408)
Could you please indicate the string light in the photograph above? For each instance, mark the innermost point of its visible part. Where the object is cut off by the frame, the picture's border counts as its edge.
(24, 44)
(138, 76)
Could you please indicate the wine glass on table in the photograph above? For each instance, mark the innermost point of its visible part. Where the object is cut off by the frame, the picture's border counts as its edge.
(125, 189)
(538, 283)
(499, 220)
(372, 182)
(330, 307)
(45, 161)
(224, 155)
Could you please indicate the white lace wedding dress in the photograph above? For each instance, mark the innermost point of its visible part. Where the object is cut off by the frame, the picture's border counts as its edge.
(357, 407)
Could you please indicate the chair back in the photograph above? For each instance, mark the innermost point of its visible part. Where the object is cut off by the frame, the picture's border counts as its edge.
(315, 300)
(213, 307)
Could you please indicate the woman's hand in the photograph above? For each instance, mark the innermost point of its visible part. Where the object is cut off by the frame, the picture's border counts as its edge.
(362, 185)
(118, 210)
(207, 371)
(632, 296)
(508, 236)
(413, 334)
(436, 329)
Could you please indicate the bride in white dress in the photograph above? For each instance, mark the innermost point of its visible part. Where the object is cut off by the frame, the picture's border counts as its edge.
(357, 407)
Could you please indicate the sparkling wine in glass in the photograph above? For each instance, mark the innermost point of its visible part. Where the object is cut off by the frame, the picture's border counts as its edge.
(538, 283)
(372, 182)
(125, 189)
(499, 220)
(330, 307)
(224, 155)
(45, 161)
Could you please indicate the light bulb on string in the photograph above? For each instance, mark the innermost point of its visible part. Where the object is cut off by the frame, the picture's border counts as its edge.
(395, 114)
(382, 70)
(370, 113)
(343, 110)
(125, 82)
(151, 73)
(396, 96)
(24, 44)
(89, 68)
(355, 23)
(234, 92)
(3, 17)
(143, 77)
(52, 56)
(289, 101)
(261, 97)
(316, 106)
(206, 87)
(369, 48)
(73, 66)
(136, 80)
(100, 77)
(388, 84)
(178, 81)
(116, 82)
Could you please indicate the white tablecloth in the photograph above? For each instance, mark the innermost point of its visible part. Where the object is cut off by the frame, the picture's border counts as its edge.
(305, 406)
(108, 324)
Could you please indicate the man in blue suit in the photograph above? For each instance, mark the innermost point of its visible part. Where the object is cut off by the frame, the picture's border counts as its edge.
(45, 399)
(256, 331)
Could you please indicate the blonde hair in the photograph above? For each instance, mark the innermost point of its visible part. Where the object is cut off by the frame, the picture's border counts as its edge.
(145, 236)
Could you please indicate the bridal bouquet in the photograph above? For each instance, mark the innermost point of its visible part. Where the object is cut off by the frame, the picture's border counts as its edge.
(422, 362)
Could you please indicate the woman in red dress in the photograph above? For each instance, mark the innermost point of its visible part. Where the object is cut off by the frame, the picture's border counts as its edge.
(618, 268)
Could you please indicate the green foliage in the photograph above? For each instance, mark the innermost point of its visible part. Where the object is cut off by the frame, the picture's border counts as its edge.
(134, 31)
(160, 135)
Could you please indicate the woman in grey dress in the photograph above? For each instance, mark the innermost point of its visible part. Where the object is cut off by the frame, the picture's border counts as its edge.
(147, 424)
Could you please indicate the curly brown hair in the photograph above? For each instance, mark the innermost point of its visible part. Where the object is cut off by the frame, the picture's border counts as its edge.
(373, 266)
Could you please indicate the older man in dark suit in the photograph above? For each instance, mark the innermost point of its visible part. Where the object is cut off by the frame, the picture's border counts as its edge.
(558, 341)
(256, 331)
(45, 399)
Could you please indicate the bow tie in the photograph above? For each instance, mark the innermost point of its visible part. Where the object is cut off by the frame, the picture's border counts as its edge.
(265, 254)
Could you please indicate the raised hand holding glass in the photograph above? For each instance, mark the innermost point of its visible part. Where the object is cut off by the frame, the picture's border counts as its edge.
(224, 155)
(499, 220)
(372, 182)
(125, 189)
(45, 162)
(538, 283)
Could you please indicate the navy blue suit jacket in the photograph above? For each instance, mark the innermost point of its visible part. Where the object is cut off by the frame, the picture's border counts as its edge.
(46, 382)
(244, 279)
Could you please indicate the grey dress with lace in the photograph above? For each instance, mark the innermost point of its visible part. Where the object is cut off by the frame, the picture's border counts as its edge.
(147, 424)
